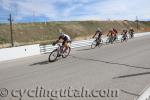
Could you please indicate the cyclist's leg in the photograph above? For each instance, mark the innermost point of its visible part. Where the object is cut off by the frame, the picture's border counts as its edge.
(99, 40)
(66, 46)
(115, 38)
(111, 39)
(132, 35)
(96, 40)
(125, 37)
(62, 47)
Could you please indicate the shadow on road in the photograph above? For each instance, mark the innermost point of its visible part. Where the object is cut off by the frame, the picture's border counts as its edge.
(84, 49)
(132, 75)
(40, 63)
(108, 62)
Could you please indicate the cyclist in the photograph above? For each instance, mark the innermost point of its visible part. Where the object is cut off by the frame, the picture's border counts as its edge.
(124, 34)
(64, 39)
(99, 33)
(111, 35)
(115, 34)
(131, 32)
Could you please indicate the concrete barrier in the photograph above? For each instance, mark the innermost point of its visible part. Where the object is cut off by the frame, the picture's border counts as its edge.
(19, 52)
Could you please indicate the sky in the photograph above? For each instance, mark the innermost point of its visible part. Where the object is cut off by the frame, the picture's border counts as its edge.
(74, 10)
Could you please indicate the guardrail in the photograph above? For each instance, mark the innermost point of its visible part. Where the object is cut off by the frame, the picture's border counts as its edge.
(75, 44)
(82, 43)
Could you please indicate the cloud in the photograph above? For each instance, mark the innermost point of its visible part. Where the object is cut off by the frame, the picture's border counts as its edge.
(28, 8)
(77, 9)
(118, 9)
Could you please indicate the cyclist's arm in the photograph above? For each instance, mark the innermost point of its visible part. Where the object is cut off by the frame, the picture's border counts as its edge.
(54, 43)
(94, 35)
(60, 38)
(101, 34)
(108, 33)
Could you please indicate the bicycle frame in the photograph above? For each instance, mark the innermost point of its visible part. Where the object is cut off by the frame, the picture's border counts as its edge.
(59, 47)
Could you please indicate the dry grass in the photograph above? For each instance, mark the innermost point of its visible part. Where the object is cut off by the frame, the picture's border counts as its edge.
(29, 33)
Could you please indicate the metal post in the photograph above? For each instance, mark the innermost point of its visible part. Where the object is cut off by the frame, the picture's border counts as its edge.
(137, 22)
(11, 31)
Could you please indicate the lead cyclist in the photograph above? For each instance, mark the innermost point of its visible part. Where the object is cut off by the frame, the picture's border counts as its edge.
(65, 40)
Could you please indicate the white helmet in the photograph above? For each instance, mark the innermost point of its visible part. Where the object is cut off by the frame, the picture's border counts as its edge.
(131, 28)
(62, 33)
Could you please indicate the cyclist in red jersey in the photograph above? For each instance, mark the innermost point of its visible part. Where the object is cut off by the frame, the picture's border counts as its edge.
(115, 34)
(111, 35)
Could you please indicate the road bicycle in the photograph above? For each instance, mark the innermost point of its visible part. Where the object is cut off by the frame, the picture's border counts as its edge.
(97, 43)
(109, 40)
(59, 52)
(131, 35)
(124, 38)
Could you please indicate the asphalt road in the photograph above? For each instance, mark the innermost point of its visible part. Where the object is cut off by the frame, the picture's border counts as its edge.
(124, 67)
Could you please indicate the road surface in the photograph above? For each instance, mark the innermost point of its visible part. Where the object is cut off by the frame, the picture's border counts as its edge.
(124, 67)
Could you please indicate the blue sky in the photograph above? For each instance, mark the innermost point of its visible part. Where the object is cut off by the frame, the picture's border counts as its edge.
(72, 10)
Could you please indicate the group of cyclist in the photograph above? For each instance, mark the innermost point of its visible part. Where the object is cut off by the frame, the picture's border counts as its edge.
(112, 36)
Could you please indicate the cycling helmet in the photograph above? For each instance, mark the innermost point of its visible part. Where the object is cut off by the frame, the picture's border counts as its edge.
(131, 28)
(124, 30)
(62, 33)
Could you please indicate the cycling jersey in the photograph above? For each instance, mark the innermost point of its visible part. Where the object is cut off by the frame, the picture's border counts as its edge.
(65, 37)
(99, 34)
(111, 33)
(125, 32)
(115, 30)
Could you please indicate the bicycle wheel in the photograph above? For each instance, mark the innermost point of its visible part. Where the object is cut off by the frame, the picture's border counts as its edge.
(66, 54)
(53, 55)
(93, 45)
